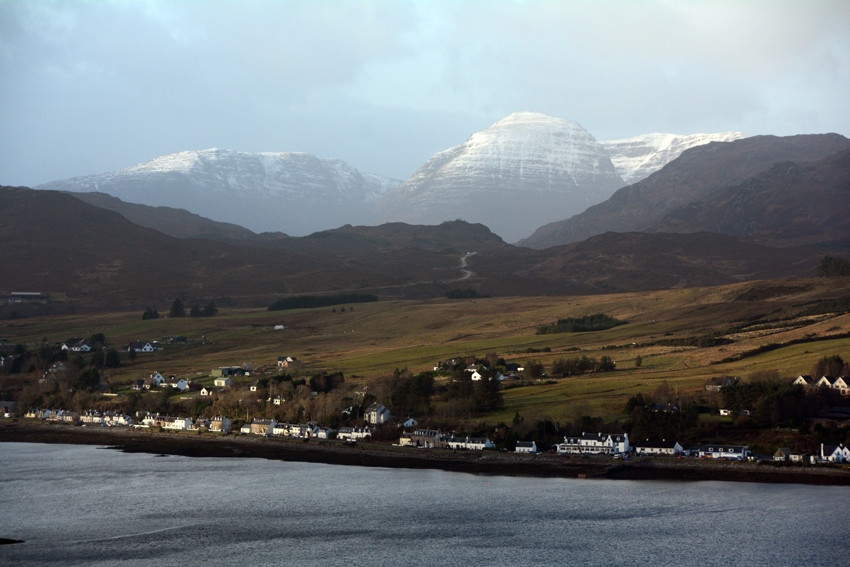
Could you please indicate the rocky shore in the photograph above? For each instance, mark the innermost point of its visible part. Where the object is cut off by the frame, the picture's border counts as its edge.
(376, 455)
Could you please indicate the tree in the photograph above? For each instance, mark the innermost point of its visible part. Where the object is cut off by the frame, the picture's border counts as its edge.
(150, 313)
(87, 380)
(177, 309)
(112, 359)
(195, 311)
(638, 361)
(830, 366)
(210, 310)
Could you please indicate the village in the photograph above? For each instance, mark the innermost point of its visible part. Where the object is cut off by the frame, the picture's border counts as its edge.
(366, 420)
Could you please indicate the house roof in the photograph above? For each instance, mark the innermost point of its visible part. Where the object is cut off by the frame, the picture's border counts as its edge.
(658, 444)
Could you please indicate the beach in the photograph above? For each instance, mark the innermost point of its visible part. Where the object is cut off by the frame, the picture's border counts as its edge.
(138, 440)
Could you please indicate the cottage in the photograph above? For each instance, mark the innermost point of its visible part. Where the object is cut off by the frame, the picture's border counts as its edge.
(595, 444)
(842, 384)
(410, 423)
(469, 443)
(92, 416)
(735, 452)
(834, 454)
(181, 384)
(140, 346)
(262, 426)
(223, 382)
(656, 447)
(525, 447)
(804, 380)
(76, 345)
(782, 454)
(206, 392)
(376, 414)
(154, 380)
(289, 362)
(8, 408)
(354, 433)
(219, 424)
(426, 438)
(177, 423)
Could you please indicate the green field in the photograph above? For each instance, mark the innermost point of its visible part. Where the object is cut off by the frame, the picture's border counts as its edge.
(370, 340)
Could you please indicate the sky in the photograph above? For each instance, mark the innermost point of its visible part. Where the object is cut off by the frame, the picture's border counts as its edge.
(92, 86)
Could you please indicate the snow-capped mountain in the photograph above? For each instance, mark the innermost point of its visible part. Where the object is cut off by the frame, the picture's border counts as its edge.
(639, 157)
(521, 172)
(295, 193)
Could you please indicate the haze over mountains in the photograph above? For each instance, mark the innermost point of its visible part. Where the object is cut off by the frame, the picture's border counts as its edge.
(524, 171)
(296, 193)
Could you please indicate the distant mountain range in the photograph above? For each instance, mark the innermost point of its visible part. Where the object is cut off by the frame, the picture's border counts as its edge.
(713, 209)
(524, 171)
(296, 193)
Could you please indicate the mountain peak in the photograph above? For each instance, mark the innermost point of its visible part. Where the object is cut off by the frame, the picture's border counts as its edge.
(523, 169)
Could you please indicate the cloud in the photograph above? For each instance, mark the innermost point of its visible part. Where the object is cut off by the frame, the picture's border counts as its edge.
(93, 86)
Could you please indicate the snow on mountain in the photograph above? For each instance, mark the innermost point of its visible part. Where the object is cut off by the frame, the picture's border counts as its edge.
(639, 157)
(296, 193)
(521, 172)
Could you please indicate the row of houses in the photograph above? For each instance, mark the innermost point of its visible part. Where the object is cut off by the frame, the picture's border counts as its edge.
(94, 417)
(312, 430)
(83, 345)
(841, 383)
(435, 439)
(827, 454)
(218, 424)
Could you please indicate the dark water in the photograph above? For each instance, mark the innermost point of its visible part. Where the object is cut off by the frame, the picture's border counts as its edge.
(80, 505)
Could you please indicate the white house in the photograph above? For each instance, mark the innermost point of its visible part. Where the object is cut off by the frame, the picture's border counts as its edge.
(595, 444)
(736, 452)
(155, 379)
(206, 391)
(141, 346)
(223, 382)
(842, 384)
(180, 384)
(834, 454)
(288, 362)
(656, 447)
(177, 423)
(410, 423)
(353, 433)
(427, 438)
(804, 380)
(377, 414)
(469, 443)
(526, 447)
(76, 345)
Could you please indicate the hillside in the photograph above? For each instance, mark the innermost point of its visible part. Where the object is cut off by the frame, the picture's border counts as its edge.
(788, 205)
(696, 174)
(178, 223)
(97, 258)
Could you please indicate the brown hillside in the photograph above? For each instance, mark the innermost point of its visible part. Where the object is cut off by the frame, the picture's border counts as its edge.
(694, 175)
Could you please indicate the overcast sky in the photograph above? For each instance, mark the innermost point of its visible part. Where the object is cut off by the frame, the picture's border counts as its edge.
(88, 87)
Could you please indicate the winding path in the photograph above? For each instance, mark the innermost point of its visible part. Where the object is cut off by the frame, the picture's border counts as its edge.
(464, 262)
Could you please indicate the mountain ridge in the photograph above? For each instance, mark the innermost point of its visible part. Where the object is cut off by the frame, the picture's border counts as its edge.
(697, 172)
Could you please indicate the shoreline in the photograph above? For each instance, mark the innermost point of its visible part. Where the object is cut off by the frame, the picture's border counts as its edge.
(375, 455)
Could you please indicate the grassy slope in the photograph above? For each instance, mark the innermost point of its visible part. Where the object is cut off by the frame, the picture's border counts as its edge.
(375, 338)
